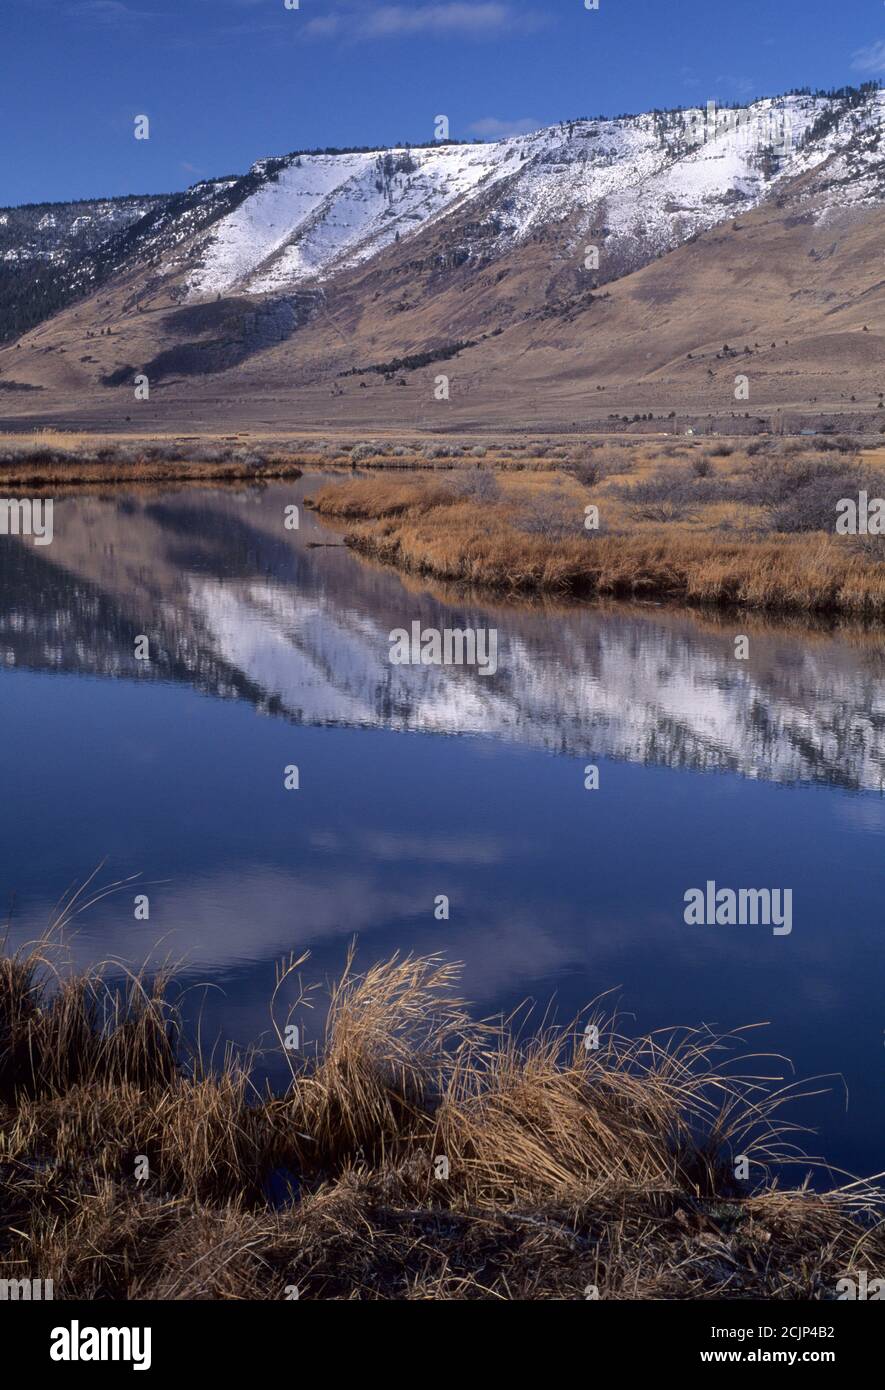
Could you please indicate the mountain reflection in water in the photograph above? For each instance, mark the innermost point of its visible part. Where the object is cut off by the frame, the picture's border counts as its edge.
(165, 770)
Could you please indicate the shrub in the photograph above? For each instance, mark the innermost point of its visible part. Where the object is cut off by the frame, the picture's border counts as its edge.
(477, 483)
(590, 465)
(801, 492)
(554, 516)
(678, 486)
(812, 506)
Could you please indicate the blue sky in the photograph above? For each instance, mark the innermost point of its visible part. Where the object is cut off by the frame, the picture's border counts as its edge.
(226, 82)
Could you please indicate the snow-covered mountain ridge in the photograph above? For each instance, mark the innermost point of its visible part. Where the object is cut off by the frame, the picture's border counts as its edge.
(314, 265)
(645, 184)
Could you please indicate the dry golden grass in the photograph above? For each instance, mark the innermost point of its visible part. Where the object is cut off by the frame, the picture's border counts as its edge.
(527, 536)
(67, 458)
(37, 464)
(568, 1169)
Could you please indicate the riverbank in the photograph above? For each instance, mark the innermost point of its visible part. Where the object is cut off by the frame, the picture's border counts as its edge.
(689, 527)
(59, 462)
(417, 1156)
(746, 523)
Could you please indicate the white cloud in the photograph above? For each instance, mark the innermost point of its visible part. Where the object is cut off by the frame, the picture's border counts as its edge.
(870, 59)
(438, 19)
(325, 27)
(493, 128)
(453, 19)
(110, 13)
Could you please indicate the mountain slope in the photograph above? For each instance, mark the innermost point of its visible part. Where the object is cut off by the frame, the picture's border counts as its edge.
(616, 256)
(42, 246)
(649, 181)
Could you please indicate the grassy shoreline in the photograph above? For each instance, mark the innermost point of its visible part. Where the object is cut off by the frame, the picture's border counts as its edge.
(525, 535)
(568, 1170)
(727, 524)
(113, 472)
(60, 462)
(114, 475)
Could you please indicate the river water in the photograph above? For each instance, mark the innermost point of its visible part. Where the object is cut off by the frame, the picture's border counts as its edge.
(270, 649)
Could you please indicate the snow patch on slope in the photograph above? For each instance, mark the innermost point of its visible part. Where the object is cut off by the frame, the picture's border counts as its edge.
(325, 212)
(649, 182)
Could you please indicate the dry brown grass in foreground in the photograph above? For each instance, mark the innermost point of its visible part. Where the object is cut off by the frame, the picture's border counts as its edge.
(524, 533)
(569, 1169)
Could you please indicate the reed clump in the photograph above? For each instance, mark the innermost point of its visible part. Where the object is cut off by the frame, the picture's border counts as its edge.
(419, 1154)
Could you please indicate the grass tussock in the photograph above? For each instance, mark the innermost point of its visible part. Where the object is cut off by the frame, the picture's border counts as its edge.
(751, 540)
(568, 1169)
